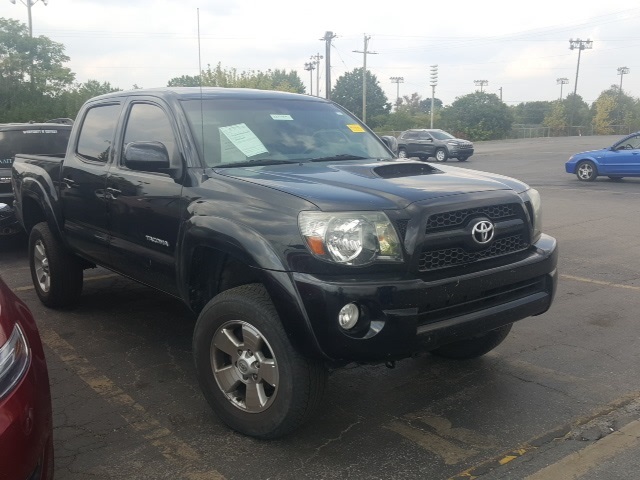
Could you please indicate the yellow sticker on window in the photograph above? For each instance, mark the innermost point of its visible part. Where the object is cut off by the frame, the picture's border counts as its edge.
(354, 127)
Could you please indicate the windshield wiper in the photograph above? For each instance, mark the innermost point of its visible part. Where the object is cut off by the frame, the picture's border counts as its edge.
(344, 156)
(255, 163)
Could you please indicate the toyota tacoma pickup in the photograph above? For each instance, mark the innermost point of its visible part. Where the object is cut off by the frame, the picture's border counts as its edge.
(292, 231)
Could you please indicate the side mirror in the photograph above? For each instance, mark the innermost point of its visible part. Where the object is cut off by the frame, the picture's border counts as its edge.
(390, 142)
(147, 156)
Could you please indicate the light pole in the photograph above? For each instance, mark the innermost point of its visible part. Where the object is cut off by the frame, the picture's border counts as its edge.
(481, 83)
(433, 82)
(316, 61)
(397, 81)
(29, 4)
(622, 71)
(580, 45)
(310, 67)
(561, 81)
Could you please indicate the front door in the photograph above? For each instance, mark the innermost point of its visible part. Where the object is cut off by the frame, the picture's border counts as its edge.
(624, 159)
(145, 207)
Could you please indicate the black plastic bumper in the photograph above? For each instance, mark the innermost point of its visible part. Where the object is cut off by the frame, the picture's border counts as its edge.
(399, 317)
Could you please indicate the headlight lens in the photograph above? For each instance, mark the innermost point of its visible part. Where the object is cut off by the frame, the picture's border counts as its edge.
(350, 238)
(536, 212)
(14, 361)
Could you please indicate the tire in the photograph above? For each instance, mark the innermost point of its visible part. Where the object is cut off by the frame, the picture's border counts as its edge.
(462, 159)
(475, 346)
(616, 179)
(236, 336)
(56, 273)
(586, 171)
(441, 155)
(402, 153)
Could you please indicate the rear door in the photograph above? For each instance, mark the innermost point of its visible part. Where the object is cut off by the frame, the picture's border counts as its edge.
(145, 208)
(83, 178)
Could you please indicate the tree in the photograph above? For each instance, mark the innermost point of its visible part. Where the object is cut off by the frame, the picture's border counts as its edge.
(348, 93)
(478, 116)
(556, 119)
(577, 109)
(531, 113)
(32, 73)
(69, 101)
(221, 77)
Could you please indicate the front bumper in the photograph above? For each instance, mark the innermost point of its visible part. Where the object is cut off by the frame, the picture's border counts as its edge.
(8, 221)
(400, 317)
(460, 152)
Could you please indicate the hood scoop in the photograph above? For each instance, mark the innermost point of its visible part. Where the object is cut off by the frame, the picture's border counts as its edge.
(408, 169)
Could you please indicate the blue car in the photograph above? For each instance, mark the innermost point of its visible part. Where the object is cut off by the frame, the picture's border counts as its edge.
(620, 160)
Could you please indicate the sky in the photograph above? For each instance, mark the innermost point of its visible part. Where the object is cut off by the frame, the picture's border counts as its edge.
(517, 46)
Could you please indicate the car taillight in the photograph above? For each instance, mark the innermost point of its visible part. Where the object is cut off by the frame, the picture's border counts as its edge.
(14, 361)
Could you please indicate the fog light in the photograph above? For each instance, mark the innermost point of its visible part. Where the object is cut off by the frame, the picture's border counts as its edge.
(348, 316)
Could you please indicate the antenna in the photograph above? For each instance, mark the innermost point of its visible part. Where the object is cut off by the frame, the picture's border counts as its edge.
(201, 107)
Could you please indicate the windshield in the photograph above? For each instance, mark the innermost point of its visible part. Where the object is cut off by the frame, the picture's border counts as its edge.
(277, 131)
(440, 135)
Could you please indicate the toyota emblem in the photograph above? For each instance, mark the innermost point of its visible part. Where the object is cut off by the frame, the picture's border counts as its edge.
(482, 232)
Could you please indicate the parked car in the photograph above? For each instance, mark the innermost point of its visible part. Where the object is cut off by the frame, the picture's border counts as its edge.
(32, 138)
(424, 143)
(620, 160)
(26, 434)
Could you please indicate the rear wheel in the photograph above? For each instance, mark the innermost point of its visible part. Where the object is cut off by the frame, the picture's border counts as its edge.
(249, 372)
(402, 153)
(441, 155)
(475, 346)
(586, 171)
(56, 273)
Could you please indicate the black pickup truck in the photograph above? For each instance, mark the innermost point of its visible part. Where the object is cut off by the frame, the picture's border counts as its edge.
(292, 231)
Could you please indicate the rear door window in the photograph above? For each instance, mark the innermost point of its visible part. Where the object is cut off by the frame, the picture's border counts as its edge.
(95, 142)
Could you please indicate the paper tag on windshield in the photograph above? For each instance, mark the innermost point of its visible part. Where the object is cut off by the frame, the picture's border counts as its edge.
(243, 139)
(354, 127)
(281, 117)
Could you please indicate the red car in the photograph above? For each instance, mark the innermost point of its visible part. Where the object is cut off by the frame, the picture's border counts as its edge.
(26, 433)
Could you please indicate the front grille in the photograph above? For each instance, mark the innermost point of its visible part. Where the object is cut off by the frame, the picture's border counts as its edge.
(449, 257)
(458, 217)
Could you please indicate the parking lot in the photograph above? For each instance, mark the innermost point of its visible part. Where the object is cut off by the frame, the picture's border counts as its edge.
(127, 404)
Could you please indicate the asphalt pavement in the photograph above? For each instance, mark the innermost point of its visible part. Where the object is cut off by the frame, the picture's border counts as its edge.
(559, 399)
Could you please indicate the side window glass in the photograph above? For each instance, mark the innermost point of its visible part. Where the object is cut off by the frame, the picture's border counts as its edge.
(96, 134)
(410, 136)
(149, 123)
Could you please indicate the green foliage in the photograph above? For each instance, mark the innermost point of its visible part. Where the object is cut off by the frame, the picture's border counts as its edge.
(531, 113)
(478, 116)
(603, 117)
(32, 73)
(557, 119)
(577, 109)
(348, 93)
(221, 77)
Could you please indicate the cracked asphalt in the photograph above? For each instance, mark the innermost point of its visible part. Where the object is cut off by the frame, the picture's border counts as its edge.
(127, 405)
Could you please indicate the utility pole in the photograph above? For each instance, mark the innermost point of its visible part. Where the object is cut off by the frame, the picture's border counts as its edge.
(500, 93)
(481, 83)
(29, 4)
(328, 36)
(562, 81)
(397, 81)
(580, 45)
(310, 67)
(316, 61)
(622, 71)
(433, 82)
(364, 76)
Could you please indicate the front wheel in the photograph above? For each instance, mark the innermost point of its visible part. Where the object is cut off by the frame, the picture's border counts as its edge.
(475, 346)
(402, 153)
(586, 171)
(249, 372)
(441, 155)
(56, 273)
(462, 159)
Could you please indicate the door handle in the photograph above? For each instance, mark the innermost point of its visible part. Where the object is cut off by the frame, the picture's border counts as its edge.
(69, 183)
(113, 192)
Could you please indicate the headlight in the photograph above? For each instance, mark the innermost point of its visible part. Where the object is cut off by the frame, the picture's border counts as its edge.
(350, 238)
(455, 144)
(533, 199)
(14, 361)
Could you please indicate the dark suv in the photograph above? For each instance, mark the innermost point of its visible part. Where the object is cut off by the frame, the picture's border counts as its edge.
(31, 138)
(423, 143)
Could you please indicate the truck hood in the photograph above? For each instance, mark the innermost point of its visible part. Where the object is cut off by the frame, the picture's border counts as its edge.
(371, 185)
